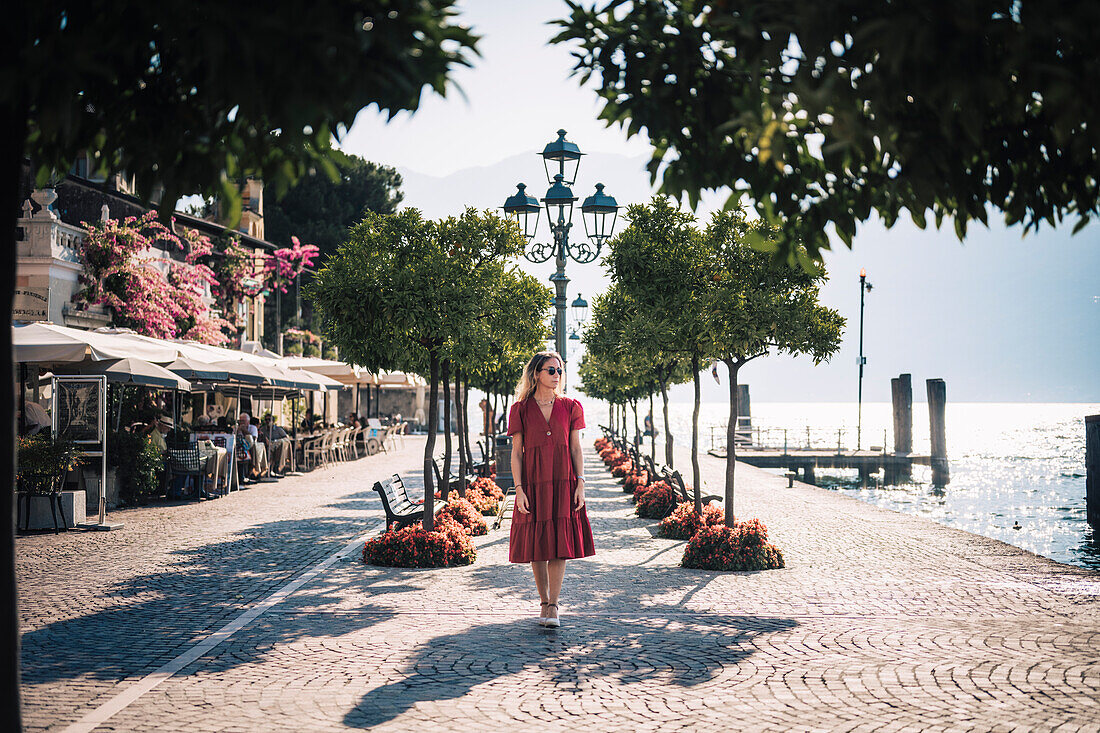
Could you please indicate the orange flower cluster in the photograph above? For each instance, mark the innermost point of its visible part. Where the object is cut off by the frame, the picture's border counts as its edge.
(465, 514)
(683, 523)
(637, 480)
(484, 494)
(413, 547)
(743, 547)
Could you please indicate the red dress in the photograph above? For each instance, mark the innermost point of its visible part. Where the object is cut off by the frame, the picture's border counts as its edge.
(552, 529)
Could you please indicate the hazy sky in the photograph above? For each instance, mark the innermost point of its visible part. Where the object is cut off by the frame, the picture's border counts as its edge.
(999, 317)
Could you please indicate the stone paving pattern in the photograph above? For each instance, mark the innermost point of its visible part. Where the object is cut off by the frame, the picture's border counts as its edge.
(881, 621)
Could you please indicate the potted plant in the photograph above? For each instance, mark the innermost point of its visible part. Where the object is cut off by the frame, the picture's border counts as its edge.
(43, 463)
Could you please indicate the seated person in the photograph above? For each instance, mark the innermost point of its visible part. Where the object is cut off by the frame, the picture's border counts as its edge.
(278, 445)
(36, 420)
(157, 430)
(243, 451)
(248, 435)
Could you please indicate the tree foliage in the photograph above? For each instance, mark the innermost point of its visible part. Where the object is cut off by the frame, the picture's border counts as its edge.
(407, 293)
(757, 306)
(660, 267)
(320, 210)
(185, 95)
(825, 113)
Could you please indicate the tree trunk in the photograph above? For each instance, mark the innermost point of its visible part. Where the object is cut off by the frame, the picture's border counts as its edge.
(731, 442)
(429, 446)
(466, 426)
(446, 474)
(16, 126)
(652, 431)
(610, 415)
(668, 433)
(637, 435)
(461, 435)
(696, 479)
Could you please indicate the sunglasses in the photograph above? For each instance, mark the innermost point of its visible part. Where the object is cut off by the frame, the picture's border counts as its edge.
(554, 370)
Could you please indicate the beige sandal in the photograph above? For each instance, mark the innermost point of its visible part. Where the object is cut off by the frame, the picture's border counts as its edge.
(551, 622)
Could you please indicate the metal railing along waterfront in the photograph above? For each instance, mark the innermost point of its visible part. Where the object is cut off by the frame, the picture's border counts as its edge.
(838, 439)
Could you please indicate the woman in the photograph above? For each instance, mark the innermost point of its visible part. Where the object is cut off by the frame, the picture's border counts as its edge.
(549, 524)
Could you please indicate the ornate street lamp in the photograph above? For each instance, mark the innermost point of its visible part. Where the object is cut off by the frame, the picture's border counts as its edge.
(561, 160)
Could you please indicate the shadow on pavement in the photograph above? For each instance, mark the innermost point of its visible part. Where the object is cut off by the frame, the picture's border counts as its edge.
(518, 658)
(153, 617)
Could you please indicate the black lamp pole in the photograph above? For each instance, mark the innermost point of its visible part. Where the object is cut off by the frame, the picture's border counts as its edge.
(864, 287)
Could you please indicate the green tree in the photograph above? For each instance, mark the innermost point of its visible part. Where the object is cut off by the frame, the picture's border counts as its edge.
(663, 270)
(402, 291)
(507, 308)
(825, 113)
(495, 349)
(757, 306)
(160, 90)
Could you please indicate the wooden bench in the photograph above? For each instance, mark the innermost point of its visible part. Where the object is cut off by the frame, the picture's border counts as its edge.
(400, 508)
(457, 482)
(676, 481)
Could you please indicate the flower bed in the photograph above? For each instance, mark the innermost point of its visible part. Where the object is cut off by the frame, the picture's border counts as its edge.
(636, 480)
(656, 502)
(683, 523)
(620, 470)
(412, 547)
(485, 496)
(744, 547)
(466, 515)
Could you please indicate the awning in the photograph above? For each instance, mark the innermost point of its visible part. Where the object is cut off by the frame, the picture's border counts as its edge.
(196, 370)
(129, 371)
(342, 372)
(48, 343)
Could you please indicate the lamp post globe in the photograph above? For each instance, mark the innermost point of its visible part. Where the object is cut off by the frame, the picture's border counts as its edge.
(524, 210)
(599, 212)
(580, 311)
(561, 157)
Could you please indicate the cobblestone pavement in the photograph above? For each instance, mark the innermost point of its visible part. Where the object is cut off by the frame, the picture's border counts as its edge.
(881, 621)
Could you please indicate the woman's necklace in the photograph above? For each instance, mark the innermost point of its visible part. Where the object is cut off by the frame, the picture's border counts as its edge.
(540, 403)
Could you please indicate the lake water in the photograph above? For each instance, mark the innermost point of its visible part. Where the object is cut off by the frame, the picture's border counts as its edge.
(1018, 462)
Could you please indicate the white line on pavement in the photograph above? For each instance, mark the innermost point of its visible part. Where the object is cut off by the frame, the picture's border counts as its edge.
(125, 698)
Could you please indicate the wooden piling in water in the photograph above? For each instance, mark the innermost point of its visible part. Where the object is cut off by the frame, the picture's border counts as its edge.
(744, 415)
(937, 430)
(1092, 471)
(901, 394)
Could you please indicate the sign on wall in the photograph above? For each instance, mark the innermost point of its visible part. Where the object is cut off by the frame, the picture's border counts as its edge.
(31, 304)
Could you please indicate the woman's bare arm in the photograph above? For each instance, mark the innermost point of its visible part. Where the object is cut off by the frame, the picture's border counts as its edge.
(578, 466)
(517, 473)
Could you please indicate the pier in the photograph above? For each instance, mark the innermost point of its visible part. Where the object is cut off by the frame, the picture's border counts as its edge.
(806, 461)
(781, 448)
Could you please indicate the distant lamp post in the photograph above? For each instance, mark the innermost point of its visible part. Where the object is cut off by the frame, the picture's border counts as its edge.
(561, 159)
(580, 313)
(864, 287)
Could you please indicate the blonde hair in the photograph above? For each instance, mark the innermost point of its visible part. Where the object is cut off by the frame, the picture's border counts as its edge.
(527, 383)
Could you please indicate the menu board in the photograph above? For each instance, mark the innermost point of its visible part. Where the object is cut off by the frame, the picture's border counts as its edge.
(79, 409)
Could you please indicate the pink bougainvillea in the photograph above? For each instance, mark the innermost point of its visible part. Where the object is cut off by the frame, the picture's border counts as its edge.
(288, 263)
(121, 272)
(166, 300)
